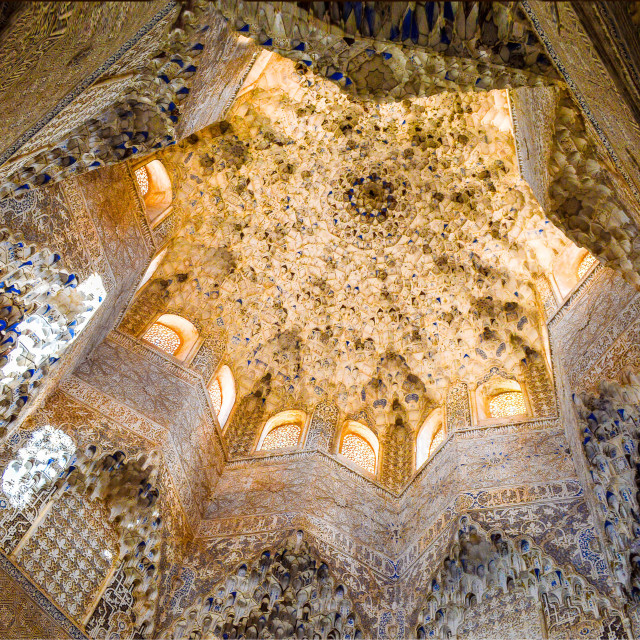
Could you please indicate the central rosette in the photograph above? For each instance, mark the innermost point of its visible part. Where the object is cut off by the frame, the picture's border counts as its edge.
(372, 197)
(373, 210)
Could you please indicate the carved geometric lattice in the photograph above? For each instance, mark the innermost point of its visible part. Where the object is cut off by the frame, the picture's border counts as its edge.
(142, 176)
(585, 264)
(282, 437)
(163, 337)
(215, 391)
(510, 403)
(70, 553)
(358, 450)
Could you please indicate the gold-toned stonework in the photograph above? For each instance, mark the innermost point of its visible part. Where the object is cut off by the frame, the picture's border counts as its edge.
(320, 320)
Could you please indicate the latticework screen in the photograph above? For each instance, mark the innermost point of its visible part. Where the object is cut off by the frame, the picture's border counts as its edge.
(510, 403)
(163, 337)
(587, 262)
(435, 442)
(215, 391)
(358, 450)
(142, 176)
(282, 437)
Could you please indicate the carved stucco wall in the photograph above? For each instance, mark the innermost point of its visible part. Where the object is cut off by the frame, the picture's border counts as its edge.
(591, 80)
(593, 338)
(91, 417)
(151, 384)
(519, 479)
(98, 225)
(533, 136)
(54, 51)
(223, 64)
(26, 613)
(594, 334)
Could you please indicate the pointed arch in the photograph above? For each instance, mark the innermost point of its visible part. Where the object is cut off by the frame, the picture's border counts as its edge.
(222, 389)
(173, 334)
(360, 446)
(431, 435)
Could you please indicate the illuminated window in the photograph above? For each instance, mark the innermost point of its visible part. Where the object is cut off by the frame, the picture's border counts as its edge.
(436, 441)
(156, 191)
(142, 176)
(173, 334)
(215, 391)
(283, 431)
(222, 390)
(282, 437)
(426, 442)
(585, 264)
(510, 403)
(163, 337)
(45, 456)
(358, 450)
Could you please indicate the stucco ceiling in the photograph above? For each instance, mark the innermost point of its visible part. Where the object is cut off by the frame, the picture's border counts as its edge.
(371, 251)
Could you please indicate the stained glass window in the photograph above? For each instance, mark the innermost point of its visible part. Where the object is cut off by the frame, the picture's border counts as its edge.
(215, 391)
(163, 337)
(142, 176)
(586, 263)
(438, 438)
(358, 450)
(282, 437)
(510, 403)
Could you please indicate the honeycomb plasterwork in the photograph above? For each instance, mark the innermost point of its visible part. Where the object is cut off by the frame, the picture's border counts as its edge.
(386, 289)
(339, 262)
(401, 50)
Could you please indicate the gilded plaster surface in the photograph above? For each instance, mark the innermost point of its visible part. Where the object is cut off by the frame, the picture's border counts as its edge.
(357, 241)
(334, 243)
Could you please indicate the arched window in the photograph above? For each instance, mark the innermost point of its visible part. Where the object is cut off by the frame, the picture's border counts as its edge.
(283, 431)
(163, 337)
(283, 437)
(431, 434)
(155, 188)
(41, 461)
(585, 265)
(172, 334)
(222, 390)
(507, 403)
(500, 397)
(360, 445)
